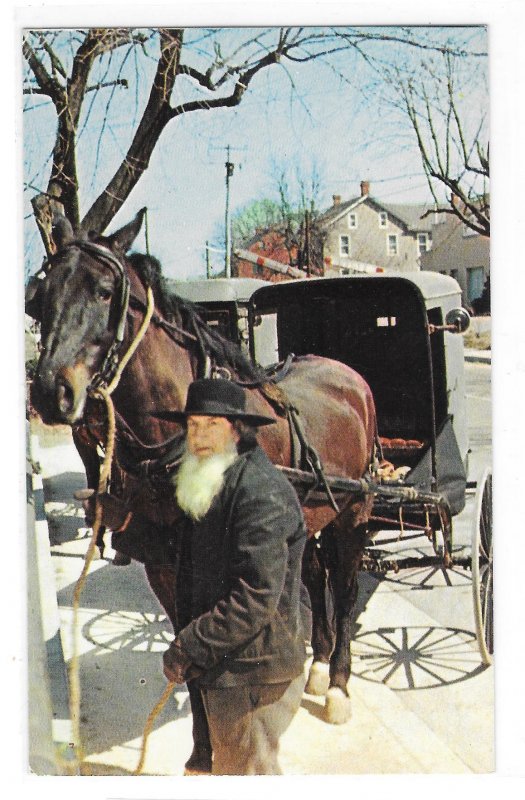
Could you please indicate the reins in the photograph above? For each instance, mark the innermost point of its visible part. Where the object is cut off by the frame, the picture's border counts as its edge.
(104, 392)
(102, 386)
(105, 473)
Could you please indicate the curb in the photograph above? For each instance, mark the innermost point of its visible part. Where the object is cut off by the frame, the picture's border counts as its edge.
(50, 749)
(478, 356)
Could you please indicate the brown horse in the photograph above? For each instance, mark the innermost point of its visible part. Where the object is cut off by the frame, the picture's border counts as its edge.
(82, 302)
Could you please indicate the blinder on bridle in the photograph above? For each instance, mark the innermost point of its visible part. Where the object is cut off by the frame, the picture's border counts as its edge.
(33, 301)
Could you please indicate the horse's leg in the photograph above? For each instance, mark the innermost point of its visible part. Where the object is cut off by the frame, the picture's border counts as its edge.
(350, 535)
(89, 457)
(314, 573)
(201, 755)
(117, 488)
(163, 583)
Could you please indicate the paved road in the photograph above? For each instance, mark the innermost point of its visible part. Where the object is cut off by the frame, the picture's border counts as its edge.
(422, 701)
(478, 384)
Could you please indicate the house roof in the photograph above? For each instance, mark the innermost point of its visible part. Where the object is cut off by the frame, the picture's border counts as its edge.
(333, 213)
(409, 214)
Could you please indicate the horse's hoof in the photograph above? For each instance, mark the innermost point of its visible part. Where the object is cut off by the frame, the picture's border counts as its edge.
(196, 771)
(198, 764)
(121, 560)
(338, 706)
(318, 679)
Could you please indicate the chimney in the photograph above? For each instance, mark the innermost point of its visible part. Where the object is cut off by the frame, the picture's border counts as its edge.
(336, 198)
(365, 188)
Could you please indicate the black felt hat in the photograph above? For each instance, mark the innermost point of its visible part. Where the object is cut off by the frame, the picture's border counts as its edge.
(215, 397)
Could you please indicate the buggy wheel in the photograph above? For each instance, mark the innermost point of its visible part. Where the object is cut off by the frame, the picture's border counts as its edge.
(482, 575)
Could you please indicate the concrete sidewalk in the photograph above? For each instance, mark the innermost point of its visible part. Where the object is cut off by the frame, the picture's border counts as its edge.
(421, 701)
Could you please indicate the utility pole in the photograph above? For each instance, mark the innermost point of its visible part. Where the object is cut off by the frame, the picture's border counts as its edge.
(307, 242)
(208, 270)
(230, 166)
(227, 228)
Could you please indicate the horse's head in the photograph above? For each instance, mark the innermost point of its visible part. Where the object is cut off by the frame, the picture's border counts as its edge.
(80, 303)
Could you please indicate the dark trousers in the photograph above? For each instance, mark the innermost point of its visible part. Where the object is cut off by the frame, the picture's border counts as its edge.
(246, 724)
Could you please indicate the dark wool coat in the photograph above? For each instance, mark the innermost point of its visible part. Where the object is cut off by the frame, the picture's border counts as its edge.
(240, 569)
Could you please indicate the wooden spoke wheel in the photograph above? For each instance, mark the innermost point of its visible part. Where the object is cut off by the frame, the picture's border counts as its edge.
(482, 575)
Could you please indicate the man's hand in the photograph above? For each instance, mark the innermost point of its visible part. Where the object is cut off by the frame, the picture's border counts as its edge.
(114, 512)
(178, 666)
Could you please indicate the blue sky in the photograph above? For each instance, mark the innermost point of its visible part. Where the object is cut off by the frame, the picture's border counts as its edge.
(343, 129)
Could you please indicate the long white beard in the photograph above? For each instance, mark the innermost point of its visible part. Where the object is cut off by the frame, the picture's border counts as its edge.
(198, 481)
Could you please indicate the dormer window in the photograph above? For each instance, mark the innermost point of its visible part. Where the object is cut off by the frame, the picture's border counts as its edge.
(352, 220)
(383, 219)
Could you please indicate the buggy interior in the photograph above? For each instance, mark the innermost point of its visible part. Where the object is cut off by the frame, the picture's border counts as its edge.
(378, 327)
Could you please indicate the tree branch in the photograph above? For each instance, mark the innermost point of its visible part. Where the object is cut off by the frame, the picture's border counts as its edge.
(46, 83)
(154, 119)
(55, 61)
(236, 95)
(104, 85)
(484, 229)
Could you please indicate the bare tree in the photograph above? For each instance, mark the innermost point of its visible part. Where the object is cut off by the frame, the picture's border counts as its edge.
(453, 143)
(188, 71)
(299, 190)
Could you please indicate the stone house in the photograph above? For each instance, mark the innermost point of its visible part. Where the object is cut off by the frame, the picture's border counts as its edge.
(366, 231)
(459, 252)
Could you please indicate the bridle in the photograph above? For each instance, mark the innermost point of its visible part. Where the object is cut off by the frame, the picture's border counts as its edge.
(122, 303)
(104, 256)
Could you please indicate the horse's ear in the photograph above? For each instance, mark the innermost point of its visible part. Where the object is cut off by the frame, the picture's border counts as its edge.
(122, 239)
(33, 298)
(62, 231)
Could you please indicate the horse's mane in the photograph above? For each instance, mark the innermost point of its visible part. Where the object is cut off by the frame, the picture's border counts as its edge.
(188, 315)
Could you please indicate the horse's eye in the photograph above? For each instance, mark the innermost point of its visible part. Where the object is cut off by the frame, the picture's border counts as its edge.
(104, 294)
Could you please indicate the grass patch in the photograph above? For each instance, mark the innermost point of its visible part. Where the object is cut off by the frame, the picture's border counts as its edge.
(477, 341)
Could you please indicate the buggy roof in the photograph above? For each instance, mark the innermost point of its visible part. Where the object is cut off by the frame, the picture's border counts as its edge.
(217, 289)
(432, 286)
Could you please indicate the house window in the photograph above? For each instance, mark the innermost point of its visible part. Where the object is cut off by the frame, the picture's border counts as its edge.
(344, 245)
(423, 243)
(391, 244)
(475, 280)
(352, 220)
(383, 219)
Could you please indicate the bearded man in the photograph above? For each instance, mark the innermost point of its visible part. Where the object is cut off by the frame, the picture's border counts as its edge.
(239, 558)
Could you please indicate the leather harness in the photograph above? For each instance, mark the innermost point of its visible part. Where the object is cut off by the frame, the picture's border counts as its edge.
(160, 460)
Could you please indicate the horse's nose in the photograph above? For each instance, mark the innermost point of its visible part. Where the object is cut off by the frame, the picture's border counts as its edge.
(71, 384)
(65, 396)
